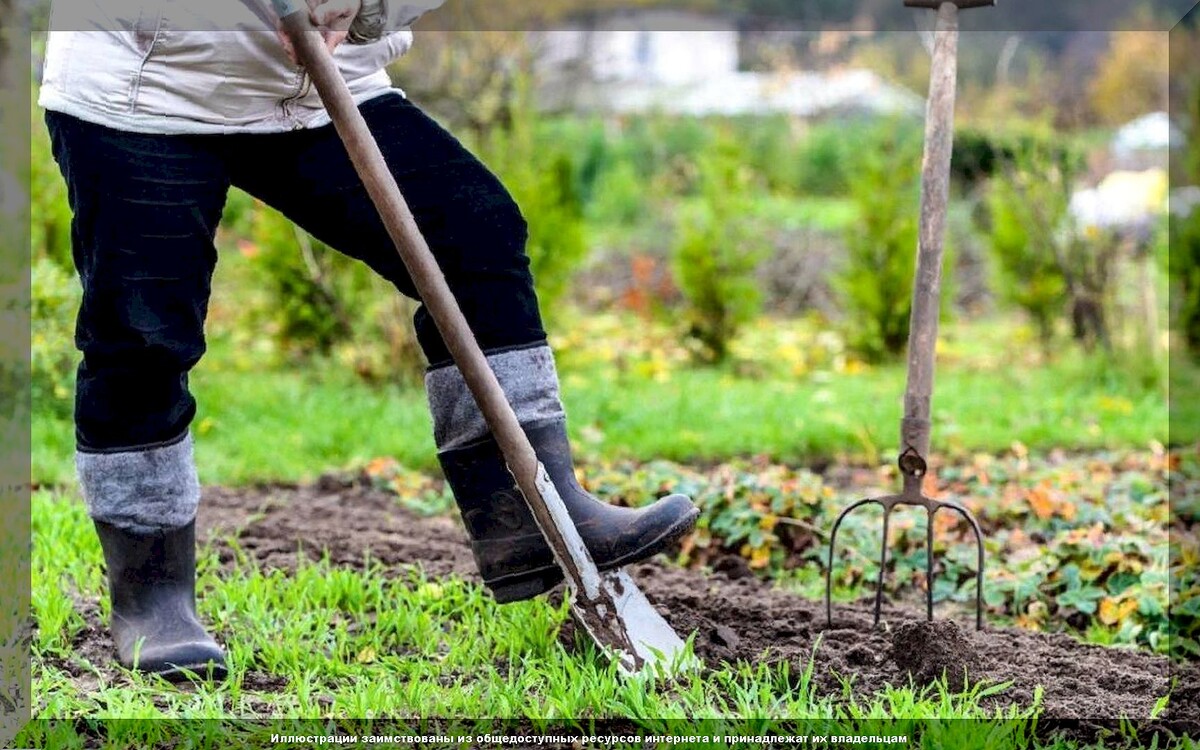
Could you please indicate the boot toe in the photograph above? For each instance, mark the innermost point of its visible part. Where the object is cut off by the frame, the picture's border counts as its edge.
(646, 532)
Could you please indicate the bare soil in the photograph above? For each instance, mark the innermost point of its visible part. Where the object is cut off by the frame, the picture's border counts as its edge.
(735, 615)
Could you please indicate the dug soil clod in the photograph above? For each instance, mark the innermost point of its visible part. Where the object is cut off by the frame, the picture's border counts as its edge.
(929, 650)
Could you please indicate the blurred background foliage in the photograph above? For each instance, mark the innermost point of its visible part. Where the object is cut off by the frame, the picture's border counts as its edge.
(713, 221)
(701, 275)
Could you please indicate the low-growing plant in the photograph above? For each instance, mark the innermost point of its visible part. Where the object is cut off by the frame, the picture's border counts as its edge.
(1072, 546)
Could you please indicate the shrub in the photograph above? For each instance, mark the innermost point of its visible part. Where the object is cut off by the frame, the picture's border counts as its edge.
(980, 155)
(1028, 205)
(543, 180)
(771, 150)
(299, 275)
(876, 283)
(619, 196)
(716, 257)
(50, 214)
(322, 303)
(821, 162)
(1043, 257)
(1185, 275)
(55, 296)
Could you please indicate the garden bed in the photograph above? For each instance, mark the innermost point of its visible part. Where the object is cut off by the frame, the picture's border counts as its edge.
(735, 615)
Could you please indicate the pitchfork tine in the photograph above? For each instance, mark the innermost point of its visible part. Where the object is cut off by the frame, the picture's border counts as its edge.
(929, 562)
(829, 568)
(883, 545)
(978, 564)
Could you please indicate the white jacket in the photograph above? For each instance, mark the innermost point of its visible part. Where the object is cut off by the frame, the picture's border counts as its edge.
(198, 66)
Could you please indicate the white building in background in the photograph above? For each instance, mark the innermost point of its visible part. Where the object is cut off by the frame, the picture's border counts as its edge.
(649, 47)
(688, 64)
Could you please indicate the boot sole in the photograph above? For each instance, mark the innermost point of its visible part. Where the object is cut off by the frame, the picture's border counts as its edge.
(539, 581)
(201, 672)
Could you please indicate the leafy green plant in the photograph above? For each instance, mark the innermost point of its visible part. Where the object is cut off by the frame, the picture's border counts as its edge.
(717, 255)
(1185, 275)
(56, 296)
(299, 275)
(823, 162)
(544, 181)
(876, 283)
(1072, 546)
(619, 196)
(320, 303)
(1028, 205)
(50, 214)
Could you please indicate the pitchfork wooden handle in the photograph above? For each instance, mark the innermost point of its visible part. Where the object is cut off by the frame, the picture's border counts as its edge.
(935, 196)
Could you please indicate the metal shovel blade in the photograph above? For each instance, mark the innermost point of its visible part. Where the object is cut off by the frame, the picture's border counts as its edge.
(609, 606)
(634, 631)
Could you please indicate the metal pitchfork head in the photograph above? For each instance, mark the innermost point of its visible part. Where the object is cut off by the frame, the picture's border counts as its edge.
(913, 467)
(922, 336)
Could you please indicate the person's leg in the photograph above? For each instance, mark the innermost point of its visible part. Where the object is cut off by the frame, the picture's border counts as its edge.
(145, 210)
(478, 235)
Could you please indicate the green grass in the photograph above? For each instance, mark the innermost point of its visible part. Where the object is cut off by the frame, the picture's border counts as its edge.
(267, 424)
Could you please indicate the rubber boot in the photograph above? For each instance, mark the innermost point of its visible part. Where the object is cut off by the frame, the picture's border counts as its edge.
(512, 556)
(152, 587)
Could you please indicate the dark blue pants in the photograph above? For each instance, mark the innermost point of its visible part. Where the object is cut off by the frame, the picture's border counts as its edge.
(146, 209)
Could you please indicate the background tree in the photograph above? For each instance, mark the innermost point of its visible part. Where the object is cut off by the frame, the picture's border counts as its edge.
(1131, 78)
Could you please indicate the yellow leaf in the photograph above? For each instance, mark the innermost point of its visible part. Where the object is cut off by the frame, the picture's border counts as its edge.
(760, 557)
(1113, 611)
(366, 656)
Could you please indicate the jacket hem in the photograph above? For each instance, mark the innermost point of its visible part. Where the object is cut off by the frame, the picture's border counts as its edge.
(140, 122)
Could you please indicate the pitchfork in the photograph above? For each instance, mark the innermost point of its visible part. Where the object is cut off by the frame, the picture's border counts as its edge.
(922, 335)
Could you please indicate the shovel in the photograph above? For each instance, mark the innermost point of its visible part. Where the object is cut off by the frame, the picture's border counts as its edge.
(923, 328)
(609, 605)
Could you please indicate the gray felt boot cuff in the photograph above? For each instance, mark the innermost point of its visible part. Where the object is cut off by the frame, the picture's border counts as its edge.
(529, 379)
(141, 491)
